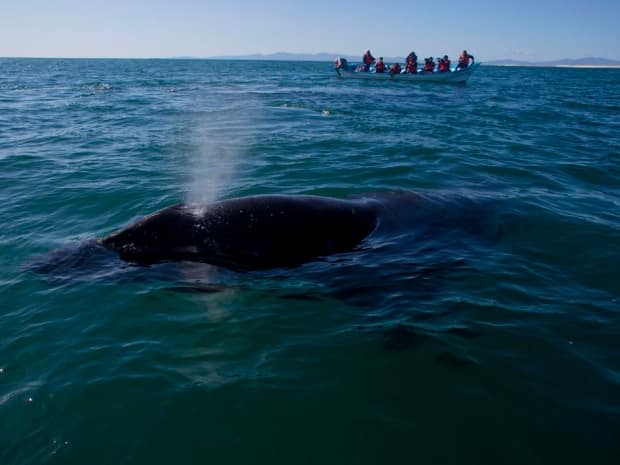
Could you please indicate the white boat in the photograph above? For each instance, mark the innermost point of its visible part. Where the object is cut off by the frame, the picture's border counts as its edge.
(454, 77)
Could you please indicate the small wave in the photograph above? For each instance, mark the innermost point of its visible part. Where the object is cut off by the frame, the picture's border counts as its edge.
(301, 107)
(96, 87)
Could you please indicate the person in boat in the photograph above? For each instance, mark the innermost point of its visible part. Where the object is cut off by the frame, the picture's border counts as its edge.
(411, 68)
(412, 64)
(443, 64)
(380, 66)
(367, 60)
(464, 60)
(395, 69)
(448, 63)
(429, 65)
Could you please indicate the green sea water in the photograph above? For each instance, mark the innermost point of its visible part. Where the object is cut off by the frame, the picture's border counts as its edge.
(484, 330)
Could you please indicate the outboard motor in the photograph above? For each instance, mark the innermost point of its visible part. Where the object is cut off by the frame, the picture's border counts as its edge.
(341, 63)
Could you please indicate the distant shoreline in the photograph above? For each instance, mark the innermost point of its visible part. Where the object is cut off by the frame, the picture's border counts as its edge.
(552, 66)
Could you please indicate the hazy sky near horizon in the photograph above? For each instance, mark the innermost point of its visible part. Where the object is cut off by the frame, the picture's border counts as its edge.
(525, 29)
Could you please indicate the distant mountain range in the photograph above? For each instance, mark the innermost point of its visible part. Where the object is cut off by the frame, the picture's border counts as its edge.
(326, 56)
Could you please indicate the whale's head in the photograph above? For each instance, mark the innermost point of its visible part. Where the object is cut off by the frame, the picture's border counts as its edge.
(164, 235)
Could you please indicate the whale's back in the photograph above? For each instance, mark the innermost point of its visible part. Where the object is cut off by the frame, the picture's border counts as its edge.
(247, 233)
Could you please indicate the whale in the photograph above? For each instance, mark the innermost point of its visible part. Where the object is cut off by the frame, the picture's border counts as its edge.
(248, 233)
(395, 230)
(385, 255)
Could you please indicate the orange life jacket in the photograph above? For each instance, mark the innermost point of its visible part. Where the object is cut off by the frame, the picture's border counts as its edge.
(395, 69)
(368, 59)
(380, 67)
(429, 66)
(412, 67)
(464, 60)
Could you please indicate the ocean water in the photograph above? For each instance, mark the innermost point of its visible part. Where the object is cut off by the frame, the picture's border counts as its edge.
(483, 329)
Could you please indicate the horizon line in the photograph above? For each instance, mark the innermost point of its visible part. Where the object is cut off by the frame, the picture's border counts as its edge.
(250, 56)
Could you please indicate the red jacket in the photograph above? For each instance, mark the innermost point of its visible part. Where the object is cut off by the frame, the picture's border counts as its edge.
(464, 60)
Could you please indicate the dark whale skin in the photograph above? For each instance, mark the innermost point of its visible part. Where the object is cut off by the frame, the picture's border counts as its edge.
(248, 233)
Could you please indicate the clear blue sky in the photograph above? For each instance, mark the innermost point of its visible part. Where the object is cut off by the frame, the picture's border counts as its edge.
(525, 29)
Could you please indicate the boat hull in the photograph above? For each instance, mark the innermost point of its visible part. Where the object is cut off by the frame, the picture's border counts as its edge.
(454, 77)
